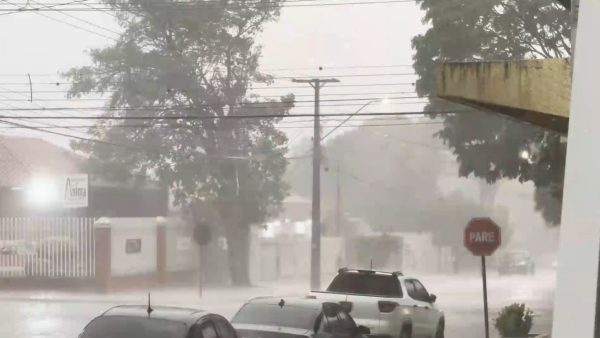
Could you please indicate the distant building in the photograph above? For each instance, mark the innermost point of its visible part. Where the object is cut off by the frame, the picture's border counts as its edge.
(24, 161)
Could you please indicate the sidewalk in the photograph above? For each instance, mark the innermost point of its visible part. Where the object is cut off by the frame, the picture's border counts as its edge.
(173, 296)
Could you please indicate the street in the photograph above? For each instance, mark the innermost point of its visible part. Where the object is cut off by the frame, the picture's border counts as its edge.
(61, 315)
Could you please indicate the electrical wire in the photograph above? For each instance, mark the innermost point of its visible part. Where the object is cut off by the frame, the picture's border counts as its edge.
(253, 88)
(19, 10)
(76, 99)
(247, 105)
(234, 117)
(228, 6)
(60, 83)
(144, 126)
(84, 21)
(260, 69)
(37, 11)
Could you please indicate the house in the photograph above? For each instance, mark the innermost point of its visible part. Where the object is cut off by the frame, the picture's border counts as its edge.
(30, 168)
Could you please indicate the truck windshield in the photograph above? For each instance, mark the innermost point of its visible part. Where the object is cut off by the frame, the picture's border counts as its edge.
(366, 284)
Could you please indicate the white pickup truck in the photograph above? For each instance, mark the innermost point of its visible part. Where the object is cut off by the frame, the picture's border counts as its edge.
(390, 304)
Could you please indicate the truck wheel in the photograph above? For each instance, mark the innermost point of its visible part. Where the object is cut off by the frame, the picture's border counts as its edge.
(439, 332)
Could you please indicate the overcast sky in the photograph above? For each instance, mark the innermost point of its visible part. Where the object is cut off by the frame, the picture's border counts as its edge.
(302, 39)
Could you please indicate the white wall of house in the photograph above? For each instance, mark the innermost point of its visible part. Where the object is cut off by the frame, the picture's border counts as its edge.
(132, 229)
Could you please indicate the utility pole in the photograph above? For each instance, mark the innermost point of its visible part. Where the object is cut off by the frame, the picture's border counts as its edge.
(338, 201)
(315, 248)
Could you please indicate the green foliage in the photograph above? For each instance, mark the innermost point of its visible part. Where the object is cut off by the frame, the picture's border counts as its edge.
(177, 60)
(514, 321)
(387, 175)
(489, 146)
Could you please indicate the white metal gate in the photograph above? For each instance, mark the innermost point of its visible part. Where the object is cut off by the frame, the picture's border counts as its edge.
(47, 247)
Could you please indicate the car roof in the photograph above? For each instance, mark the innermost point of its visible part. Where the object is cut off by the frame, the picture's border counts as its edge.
(177, 314)
(309, 303)
(398, 274)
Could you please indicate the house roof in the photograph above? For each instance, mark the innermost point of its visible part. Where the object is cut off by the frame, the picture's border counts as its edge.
(23, 157)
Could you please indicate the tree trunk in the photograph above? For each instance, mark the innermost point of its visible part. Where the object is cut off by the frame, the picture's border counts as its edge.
(238, 251)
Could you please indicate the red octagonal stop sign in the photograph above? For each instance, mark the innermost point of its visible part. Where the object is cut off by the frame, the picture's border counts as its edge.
(482, 236)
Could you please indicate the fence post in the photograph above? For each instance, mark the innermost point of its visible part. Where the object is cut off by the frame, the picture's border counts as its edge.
(161, 250)
(103, 251)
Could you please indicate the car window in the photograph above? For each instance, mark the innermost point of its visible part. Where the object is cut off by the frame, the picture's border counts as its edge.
(416, 290)
(410, 289)
(366, 284)
(224, 329)
(134, 327)
(275, 315)
(421, 291)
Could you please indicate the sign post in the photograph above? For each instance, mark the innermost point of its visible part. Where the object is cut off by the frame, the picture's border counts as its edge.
(482, 238)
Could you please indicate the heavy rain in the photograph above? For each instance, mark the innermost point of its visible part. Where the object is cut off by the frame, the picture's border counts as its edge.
(296, 168)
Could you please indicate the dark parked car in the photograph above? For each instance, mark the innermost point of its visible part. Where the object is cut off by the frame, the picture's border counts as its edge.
(295, 318)
(516, 262)
(159, 322)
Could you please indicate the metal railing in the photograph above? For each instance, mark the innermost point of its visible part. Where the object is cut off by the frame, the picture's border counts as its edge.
(47, 247)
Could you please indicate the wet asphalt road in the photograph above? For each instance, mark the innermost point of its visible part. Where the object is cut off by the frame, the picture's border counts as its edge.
(460, 297)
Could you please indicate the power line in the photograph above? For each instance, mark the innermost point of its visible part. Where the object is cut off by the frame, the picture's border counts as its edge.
(47, 8)
(325, 68)
(224, 117)
(145, 126)
(261, 96)
(262, 70)
(41, 129)
(222, 104)
(249, 89)
(228, 6)
(20, 9)
(59, 83)
(76, 26)
(85, 21)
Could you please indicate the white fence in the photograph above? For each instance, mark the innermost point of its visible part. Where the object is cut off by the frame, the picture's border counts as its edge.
(47, 247)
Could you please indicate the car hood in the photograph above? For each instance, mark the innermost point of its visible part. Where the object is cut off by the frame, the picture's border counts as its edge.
(268, 331)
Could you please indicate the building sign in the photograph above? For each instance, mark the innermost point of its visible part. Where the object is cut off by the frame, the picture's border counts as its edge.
(75, 191)
(133, 245)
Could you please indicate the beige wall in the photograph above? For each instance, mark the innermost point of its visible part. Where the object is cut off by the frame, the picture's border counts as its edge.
(542, 86)
(182, 250)
(143, 262)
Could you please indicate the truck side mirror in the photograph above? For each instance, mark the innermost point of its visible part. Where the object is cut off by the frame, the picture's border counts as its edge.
(432, 298)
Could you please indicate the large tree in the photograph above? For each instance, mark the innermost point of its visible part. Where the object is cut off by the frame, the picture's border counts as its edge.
(388, 176)
(489, 146)
(178, 80)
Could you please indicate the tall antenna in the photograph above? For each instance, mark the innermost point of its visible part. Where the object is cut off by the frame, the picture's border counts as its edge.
(150, 309)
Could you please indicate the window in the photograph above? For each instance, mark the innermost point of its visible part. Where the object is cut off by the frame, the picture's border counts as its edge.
(416, 290)
(366, 284)
(275, 315)
(134, 327)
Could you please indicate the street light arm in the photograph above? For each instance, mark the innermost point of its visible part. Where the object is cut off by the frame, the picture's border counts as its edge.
(349, 117)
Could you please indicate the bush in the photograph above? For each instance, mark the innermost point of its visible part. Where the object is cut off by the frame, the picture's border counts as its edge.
(514, 321)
